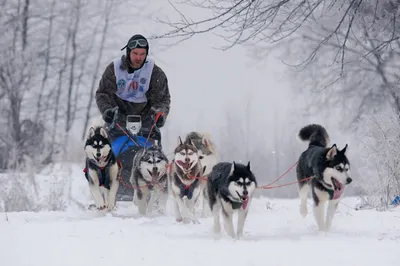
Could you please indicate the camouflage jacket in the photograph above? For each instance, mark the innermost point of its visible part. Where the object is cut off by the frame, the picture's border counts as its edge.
(158, 95)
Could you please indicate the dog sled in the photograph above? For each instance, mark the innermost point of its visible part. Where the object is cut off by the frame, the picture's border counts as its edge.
(125, 142)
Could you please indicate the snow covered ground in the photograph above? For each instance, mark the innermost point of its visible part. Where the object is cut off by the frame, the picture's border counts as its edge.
(275, 234)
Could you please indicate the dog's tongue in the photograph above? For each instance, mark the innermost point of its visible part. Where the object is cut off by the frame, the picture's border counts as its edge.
(154, 177)
(183, 164)
(337, 193)
(245, 202)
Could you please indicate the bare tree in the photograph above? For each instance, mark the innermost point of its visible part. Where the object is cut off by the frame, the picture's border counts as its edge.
(379, 161)
(107, 11)
(335, 40)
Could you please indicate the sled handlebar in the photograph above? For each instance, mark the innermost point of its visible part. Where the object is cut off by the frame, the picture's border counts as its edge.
(115, 110)
(155, 132)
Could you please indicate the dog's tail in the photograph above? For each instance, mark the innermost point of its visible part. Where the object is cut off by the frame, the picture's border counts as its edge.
(315, 134)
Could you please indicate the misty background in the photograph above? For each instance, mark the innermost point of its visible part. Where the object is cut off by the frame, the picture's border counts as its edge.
(327, 62)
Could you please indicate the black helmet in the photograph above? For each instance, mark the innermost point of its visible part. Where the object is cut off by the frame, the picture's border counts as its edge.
(136, 41)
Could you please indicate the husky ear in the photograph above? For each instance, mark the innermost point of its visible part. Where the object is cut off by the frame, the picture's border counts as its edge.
(91, 133)
(205, 141)
(248, 166)
(344, 149)
(190, 142)
(103, 132)
(331, 152)
(180, 141)
(233, 167)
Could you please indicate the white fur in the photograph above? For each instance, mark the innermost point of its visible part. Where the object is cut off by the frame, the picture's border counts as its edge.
(324, 223)
(228, 220)
(146, 208)
(207, 162)
(234, 188)
(191, 155)
(91, 153)
(339, 176)
(183, 207)
(103, 197)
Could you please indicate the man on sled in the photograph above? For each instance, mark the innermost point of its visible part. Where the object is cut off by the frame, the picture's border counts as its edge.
(134, 100)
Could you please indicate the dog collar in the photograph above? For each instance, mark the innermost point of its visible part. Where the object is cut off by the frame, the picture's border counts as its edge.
(236, 205)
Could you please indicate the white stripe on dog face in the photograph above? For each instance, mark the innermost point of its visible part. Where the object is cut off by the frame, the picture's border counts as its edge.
(242, 184)
(187, 154)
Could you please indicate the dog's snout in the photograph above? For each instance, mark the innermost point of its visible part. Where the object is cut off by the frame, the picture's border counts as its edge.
(187, 159)
(98, 154)
(245, 192)
(349, 180)
(155, 169)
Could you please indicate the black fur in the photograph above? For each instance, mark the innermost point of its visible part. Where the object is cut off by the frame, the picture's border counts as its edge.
(219, 179)
(97, 137)
(313, 161)
(103, 172)
(315, 134)
(154, 153)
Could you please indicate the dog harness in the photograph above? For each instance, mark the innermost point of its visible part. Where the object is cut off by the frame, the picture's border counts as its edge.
(186, 190)
(102, 173)
(236, 205)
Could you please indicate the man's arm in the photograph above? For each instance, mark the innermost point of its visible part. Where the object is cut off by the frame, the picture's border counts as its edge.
(159, 95)
(106, 90)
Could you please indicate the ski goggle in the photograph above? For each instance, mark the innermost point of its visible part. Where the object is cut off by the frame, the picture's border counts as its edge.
(139, 43)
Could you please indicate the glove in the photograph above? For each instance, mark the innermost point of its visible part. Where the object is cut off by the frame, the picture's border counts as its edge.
(160, 118)
(108, 115)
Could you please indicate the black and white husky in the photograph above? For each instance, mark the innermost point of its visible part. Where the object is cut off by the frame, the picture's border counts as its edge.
(149, 178)
(208, 157)
(230, 188)
(185, 181)
(328, 168)
(102, 168)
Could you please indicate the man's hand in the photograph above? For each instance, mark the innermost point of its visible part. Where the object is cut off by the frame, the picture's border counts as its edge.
(108, 115)
(159, 117)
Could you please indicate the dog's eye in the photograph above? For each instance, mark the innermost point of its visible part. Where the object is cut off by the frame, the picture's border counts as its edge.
(158, 161)
(239, 183)
(150, 162)
(190, 153)
(248, 184)
(339, 168)
(182, 153)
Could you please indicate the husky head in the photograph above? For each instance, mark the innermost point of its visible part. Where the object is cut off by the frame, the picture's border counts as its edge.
(337, 171)
(152, 163)
(206, 150)
(242, 182)
(186, 155)
(97, 146)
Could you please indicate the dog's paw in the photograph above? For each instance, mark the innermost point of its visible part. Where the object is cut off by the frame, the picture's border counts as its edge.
(303, 210)
(178, 220)
(110, 207)
(102, 207)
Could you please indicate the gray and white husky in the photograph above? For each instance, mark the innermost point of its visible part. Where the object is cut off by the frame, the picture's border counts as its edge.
(149, 178)
(102, 168)
(230, 188)
(185, 181)
(328, 168)
(208, 157)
